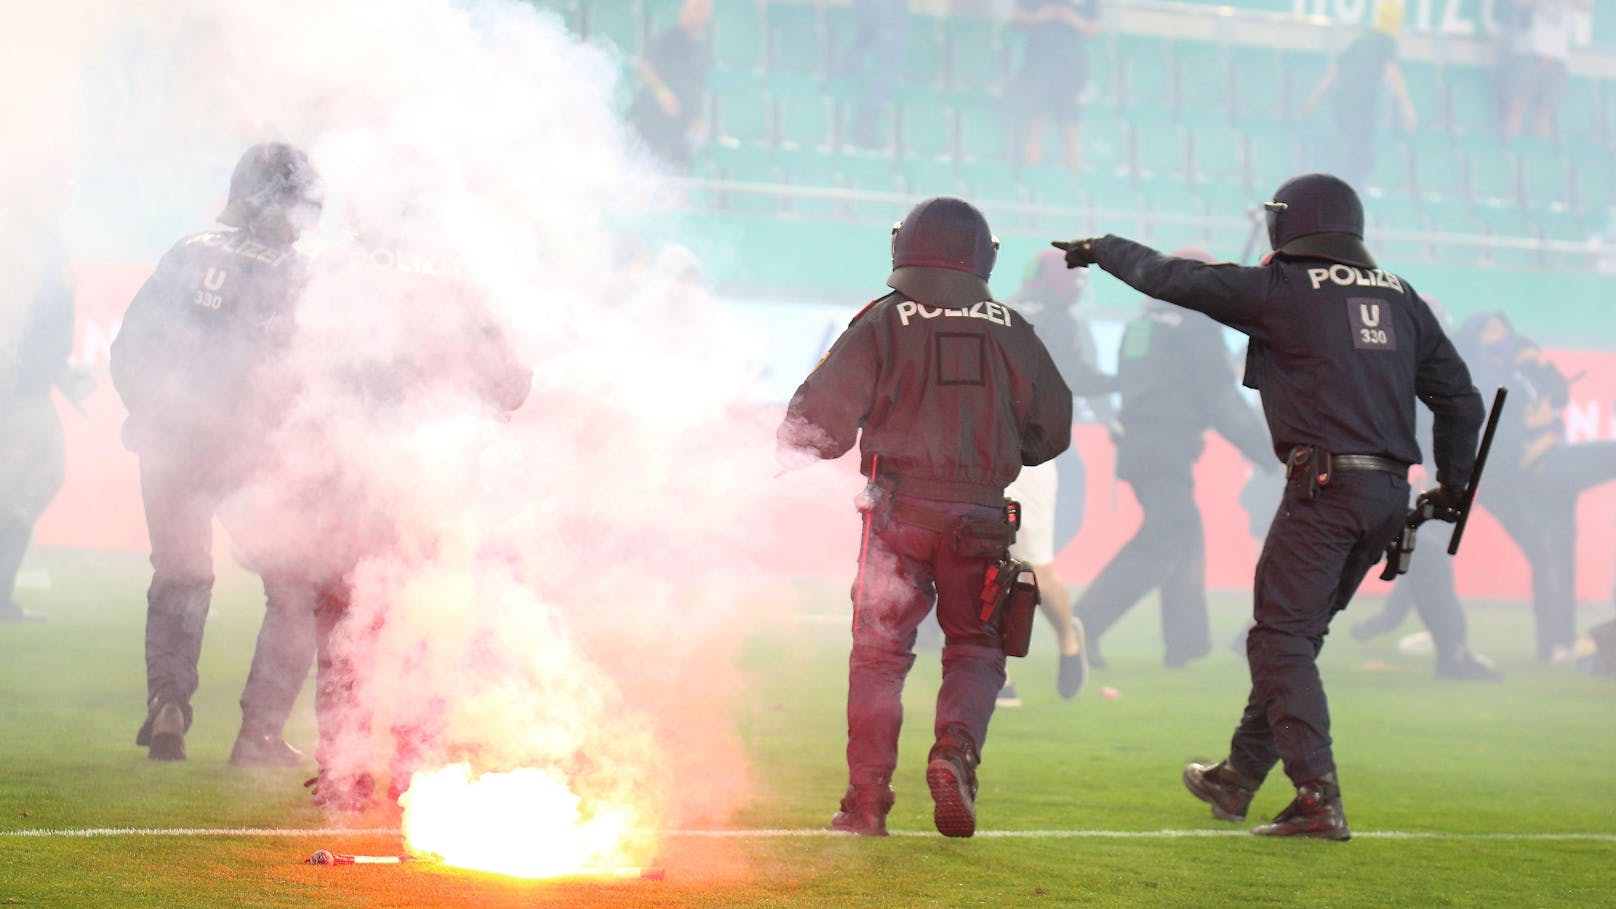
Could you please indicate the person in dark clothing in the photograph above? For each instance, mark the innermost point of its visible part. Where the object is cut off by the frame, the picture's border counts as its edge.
(1534, 476)
(948, 394)
(32, 460)
(1339, 351)
(447, 354)
(667, 110)
(1054, 73)
(1176, 382)
(1353, 86)
(192, 362)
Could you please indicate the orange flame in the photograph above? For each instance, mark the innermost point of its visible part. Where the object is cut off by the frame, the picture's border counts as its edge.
(524, 823)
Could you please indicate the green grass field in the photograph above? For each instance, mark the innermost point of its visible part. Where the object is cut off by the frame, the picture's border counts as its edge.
(1459, 794)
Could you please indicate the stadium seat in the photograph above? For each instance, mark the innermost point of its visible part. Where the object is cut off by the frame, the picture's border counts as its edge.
(621, 24)
(1273, 155)
(1581, 116)
(1389, 175)
(1144, 68)
(974, 58)
(1107, 147)
(1493, 176)
(1257, 81)
(737, 34)
(1593, 174)
(751, 165)
(809, 169)
(1217, 154)
(1300, 73)
(1425, 91)
(1437, 167)
(875, 174)
(990, 183)
(1545, 173)
(923, 59)
(659, 14)
(803, 118)
(925, 127)
(984, 131)
(740, 110)
(1201, 77)
(930, 177)
(1161, 149)
(796, 39)
(1473, 104)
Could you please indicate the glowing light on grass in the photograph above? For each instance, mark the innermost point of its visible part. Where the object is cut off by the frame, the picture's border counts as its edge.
(524, 823)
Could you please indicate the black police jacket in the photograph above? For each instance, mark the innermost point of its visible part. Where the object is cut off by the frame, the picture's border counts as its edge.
(1338, 353)
(958, 397)
(189, 357)
(1176, 382)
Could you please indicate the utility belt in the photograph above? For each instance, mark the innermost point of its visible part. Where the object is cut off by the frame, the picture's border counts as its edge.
(1312, 468)
(942, 490)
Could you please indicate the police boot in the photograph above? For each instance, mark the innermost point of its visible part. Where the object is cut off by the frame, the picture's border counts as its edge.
(167, 724)
(1466, 666)
(340, 791)
(1228, 792)
(1316, 812)
(864, 811)
(951, 776)
(258, 746)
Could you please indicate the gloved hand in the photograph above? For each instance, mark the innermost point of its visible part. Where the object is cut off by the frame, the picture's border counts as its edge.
(1079, 253)
(1444, 502)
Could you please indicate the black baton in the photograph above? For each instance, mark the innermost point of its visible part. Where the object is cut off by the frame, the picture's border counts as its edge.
(1475, 475)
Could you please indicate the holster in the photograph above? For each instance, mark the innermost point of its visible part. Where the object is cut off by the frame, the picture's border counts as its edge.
(1309, 467)
(1010, 596)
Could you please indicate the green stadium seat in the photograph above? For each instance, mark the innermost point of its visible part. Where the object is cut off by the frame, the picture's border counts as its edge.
(620, 24)
(804, 117)
(1393, 211)
(1144, 67)
(1545, 173)
(985, 133)
(751, 165)
(1437, 167)
(1593, 174)
(1389, 175)
(1581, 116)
(1425, 91)
(796, 39)
(1508, 222)
(974, 55)
(923, 59)
(923, 178)
(1300, 73)
(1492, 174)
(808, 168)
(1274, 154)
(659, 14)
(1107, 147)
(1473, 105)
(988, 183)
(740, 112)
(871, 173)
(925, 128)
(1258, 83)
(1218, 153)
(1161, 149)
(737, 34)
(1201, 71)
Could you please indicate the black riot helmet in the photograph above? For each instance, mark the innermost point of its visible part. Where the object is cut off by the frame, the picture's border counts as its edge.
(273, 188)
(1318, 215)
(943, 253)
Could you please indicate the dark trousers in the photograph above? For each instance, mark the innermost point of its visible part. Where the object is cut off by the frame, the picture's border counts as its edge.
(1167, 551)
(181, 496)
(1539, 511)
(1315, 556)
(907, 568)
(32, 467)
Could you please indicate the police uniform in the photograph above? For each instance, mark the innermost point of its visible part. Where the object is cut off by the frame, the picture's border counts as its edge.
(32, 464)
(1539, 476)
(191, 363)
(1340, 350)
(948, 394)
(1176, 383)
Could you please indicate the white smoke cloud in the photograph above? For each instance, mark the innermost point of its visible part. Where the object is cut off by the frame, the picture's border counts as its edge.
(556, 590)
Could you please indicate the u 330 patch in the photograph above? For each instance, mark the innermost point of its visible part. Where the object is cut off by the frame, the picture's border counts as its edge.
(1369, 320)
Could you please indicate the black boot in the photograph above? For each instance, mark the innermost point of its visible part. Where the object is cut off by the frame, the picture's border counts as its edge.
(951, 776)
(1219, 785)
(864, 811)
(1466, 666)
(1315, 812)
(257, 745)
(168, 727)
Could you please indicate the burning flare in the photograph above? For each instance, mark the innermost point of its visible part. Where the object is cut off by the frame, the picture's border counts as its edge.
(524, 823)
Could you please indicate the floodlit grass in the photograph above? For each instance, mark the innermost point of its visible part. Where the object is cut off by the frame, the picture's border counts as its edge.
(1477, 771)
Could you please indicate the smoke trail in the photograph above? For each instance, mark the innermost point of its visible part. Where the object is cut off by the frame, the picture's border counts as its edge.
(553, 590)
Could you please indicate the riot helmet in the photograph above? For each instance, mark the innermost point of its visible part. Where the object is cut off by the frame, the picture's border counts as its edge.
(274, 190)
(943, 253)
(1318, 215)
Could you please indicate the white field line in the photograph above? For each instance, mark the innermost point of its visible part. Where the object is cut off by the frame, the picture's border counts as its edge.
(100, 832)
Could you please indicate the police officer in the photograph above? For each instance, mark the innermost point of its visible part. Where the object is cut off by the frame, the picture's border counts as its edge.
(191, 364)
(954, 393)
(32, 462)
(1176, 382)
(1339, 350)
